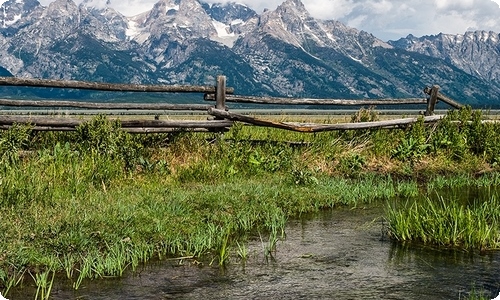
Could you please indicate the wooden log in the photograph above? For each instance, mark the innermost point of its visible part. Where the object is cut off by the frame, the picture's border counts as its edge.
(141, 130)
(95, 105)
(176, 124)
(69, 122)
(117, 87)
(431, 102)
(40, 121)
(168, 130)
(317, 127)
(42, 128)
(444, 98)
(310, 101)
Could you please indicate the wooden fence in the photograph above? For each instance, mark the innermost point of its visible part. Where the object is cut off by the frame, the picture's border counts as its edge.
(220, 118)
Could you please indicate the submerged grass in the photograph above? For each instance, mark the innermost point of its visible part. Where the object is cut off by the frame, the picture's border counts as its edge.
(96, 202)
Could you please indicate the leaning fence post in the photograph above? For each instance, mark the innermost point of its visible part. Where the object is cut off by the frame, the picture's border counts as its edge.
(431, 101)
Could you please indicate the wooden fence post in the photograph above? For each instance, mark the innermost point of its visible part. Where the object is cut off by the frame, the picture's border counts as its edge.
(431, 102)
(220, 93)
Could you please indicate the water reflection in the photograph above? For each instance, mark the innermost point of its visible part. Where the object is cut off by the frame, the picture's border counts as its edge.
(340, 254)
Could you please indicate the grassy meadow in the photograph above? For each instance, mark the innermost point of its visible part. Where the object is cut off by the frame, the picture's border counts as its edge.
(92, 203)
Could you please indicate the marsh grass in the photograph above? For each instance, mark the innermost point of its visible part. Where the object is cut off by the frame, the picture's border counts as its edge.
(476, 294)
(44, 284)
(97, 202)
(447, 222)
(99, 236)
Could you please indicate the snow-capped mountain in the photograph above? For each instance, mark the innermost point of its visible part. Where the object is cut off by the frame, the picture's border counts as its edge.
(477, 53)
(282, 52)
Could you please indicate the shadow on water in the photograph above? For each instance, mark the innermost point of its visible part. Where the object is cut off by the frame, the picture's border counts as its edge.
(339, 254)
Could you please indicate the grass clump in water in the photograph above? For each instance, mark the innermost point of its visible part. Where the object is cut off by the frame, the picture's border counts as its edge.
(447, 222)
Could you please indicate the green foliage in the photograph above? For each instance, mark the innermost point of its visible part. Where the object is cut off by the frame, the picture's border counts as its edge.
(459, 136)
(410, 149)
(414, 145)
(12, 141)
(452, 133)
(352, 163)
(478, 295)
(271, 158)
(239, 159)
(303, 177)
(104, 137)
(462, 134)
(365, 115)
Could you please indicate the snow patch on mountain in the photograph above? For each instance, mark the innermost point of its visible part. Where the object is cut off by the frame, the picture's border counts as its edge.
(222, 29)
(132, 29)
(225, 35)
(237, 22)
(14, 20)
(172, 7)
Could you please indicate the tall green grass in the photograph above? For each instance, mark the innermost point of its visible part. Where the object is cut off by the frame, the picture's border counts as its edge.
(96, 202)
(447, 222)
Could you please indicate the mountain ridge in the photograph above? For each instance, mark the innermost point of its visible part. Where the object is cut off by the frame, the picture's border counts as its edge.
(475, 52)
(284, 52)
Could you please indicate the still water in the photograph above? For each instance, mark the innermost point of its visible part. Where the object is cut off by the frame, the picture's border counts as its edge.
(339, 254)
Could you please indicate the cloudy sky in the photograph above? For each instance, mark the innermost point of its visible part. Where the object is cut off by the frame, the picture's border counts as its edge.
(386, 19)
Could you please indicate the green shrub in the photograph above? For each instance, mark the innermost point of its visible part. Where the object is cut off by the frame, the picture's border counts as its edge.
(12, 141)
(104, 137)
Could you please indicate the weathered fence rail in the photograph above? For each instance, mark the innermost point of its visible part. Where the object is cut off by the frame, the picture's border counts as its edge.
(219, 116)
(97, 105)
(112, 87)
(58, 123)
(312, 101)
(313, 127)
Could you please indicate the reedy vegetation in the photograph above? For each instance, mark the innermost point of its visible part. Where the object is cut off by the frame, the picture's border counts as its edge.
(97, 201)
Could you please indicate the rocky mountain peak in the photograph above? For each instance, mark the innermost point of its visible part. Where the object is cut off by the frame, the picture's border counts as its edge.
(229, 13)
(287, 22)
(293, 6)
(292, 22)
(101, 21)
(230, 20)
(294, 15)
(16, 11)
(96, 4)
(166, 7)
(482, 36)
(475, 52)
(61, 9)
(181, 16)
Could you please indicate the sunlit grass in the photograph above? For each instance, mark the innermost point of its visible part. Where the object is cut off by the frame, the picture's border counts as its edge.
(97, 202)
(447, 222)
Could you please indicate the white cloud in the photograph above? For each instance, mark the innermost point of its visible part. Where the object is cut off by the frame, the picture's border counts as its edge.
(386, 19)
(97, 3)
(398, 18)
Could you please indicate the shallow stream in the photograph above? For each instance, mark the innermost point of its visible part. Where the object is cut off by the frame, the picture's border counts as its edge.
(339, 254)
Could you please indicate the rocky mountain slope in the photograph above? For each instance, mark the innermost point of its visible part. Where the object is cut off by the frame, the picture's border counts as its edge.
(477, 53)
(284, 52)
